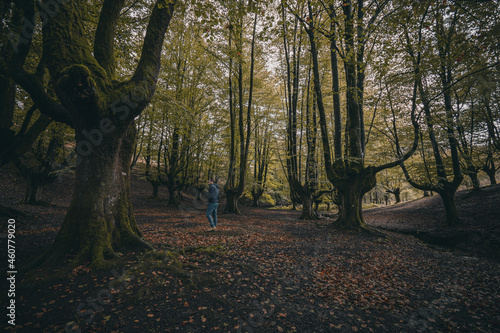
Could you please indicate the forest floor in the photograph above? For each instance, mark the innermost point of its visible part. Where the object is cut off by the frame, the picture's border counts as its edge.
(267, 271)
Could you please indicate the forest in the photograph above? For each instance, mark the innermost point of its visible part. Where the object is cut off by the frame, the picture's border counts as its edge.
(355, 145)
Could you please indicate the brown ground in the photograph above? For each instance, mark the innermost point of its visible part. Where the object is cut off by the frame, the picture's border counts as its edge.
(265, 271)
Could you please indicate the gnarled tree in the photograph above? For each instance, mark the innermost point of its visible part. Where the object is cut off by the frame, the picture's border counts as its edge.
(348, 34)
(101, 109)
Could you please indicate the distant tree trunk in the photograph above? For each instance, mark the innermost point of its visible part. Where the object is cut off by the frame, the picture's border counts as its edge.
(474, 179)
(448, 197)
(492, 177)
(38, 170)
(156, 185)
(232, 202)
(397, 194)
(171, 193)
(490, 169)
(307, 209)
(256, 195)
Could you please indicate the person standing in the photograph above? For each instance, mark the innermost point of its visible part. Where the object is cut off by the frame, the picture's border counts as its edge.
(213, 203)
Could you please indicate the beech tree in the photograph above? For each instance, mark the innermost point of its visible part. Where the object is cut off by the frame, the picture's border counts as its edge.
(308, 191)
(261, 158)
(349, 29)
(436, 59)
(16, 35)
(101, 109)
(45, 161)
(240, 121)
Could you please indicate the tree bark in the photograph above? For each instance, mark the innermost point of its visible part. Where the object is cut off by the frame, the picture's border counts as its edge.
(397, 195)
(256, 194)
(474, 179)
(155, 183)
(232, 202)
(448, 197)
(492, 177)
(308, 212)
(99, 220)
(352, 189)
(171, 193)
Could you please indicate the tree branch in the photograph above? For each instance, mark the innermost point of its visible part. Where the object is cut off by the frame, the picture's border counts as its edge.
(104, 42)
(148, 68)
(46, 104)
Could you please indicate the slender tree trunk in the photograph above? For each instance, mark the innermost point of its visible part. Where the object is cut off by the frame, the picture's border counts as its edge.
(156, 186)
(397, 195)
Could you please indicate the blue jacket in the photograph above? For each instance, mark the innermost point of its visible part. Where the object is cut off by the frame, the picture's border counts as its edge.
(213, 193)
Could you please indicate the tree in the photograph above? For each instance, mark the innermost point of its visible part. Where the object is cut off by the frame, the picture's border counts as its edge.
(262, 157)
(348, 35)
(16, 35)
(235, 183)
(438, 66)
(308, 192)
(44, 162)
(101, 109)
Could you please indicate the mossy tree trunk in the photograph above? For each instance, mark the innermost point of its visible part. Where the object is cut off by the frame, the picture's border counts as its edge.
(101, 110)
(492, 177)
(352, 188)
(99, 220)
(308, 212)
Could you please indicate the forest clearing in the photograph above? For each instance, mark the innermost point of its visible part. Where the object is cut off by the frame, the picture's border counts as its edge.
(267, 271)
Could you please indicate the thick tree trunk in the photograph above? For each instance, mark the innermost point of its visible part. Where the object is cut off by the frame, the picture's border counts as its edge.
(351, 191)
(232, 202)
(256, 195)
(307, 209)
(448, 197)
(100, 219)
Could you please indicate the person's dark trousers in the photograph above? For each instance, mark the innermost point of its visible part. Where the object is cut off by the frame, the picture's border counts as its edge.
(212, 213)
